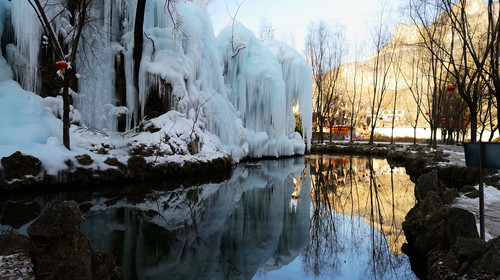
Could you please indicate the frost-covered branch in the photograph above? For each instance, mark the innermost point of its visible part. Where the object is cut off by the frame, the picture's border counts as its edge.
(151, 39)
(233, 19)
(240, 48)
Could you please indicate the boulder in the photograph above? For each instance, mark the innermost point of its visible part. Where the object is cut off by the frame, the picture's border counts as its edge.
(491, 258)
(19, 165)
(428, 182)
(84, 159)
(137, 167)
(459, 223)
(61, 251)
(464, 254)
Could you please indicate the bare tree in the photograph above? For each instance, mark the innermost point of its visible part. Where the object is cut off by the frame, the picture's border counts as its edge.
(414, 81)
(324, 52)
(79, 12)
(382, 62)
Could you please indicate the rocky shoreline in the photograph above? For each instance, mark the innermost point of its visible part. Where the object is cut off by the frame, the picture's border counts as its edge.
(442, 241)
(23, 172)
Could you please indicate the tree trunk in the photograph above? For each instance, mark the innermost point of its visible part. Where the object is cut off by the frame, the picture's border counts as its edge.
(473, 124)
(138, 41)
(415, 135)
(66, 123)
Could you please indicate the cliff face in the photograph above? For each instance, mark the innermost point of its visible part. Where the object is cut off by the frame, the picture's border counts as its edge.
(404, 59)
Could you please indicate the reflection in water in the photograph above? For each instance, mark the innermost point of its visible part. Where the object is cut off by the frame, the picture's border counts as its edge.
(287, 219)
(347, 195)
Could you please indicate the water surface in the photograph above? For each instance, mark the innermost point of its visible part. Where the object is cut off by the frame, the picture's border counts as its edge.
(329, 217)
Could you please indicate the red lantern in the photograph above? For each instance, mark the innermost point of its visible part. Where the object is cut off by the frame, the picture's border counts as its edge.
(62, 66)
(364, 128)
(427, 113)
(465, 119)
(449, 126)
(464, 126)
(451, 88)
(443, 119)
(381, 118)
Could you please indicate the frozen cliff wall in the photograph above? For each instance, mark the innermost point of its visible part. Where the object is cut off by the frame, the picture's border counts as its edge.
(181, 71)
(265, 82)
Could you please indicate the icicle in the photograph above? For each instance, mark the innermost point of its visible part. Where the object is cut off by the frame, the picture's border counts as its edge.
(264, 86)
(96, 67)
(28, 32)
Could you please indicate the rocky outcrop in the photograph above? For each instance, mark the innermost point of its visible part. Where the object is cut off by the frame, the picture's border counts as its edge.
(19, 166)
(60, 251)
(18, 170)
(442, 241)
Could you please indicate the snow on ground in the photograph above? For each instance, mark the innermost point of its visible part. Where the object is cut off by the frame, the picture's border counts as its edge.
(491, 210)
(26, 125)
(491, 196)
(16, 266)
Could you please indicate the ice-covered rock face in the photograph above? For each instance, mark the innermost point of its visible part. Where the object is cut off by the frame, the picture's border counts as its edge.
(245, 100)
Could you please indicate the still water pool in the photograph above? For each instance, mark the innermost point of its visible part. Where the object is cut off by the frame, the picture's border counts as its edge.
(318, 217)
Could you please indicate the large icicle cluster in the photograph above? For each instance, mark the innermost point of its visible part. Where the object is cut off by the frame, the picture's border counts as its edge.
(246, 100)
(265, 82)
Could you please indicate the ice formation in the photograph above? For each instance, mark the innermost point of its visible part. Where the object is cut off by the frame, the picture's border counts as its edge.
(246, 100)
(265, 82)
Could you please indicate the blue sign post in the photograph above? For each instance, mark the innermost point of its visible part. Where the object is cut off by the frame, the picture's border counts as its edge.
(479, 154)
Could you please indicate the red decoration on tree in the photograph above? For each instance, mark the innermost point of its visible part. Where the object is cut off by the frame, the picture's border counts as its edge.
(427, 113)
(62, 66)
(443, 119)
(451, 88)
(465, 119)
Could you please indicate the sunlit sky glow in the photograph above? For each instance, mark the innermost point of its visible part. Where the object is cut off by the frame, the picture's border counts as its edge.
(294, 17)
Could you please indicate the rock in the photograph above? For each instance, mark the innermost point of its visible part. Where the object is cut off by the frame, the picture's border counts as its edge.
(19, 165)
(84, 159)
(459, 223)
(464, 254)
(112, 161)
(16, 266)
(15, 262)
(137, 167)
(61, 251)
(426, 183)
(12, 243)
(470, 191)
(491, 258)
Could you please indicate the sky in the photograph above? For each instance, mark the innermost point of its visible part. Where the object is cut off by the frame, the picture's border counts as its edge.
(295, 16)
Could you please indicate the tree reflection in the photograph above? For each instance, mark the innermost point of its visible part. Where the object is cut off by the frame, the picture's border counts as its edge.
(344, 189)
(323, 243)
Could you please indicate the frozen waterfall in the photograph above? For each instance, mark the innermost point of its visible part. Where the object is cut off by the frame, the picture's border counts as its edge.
(246, 99)
(265, 82)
